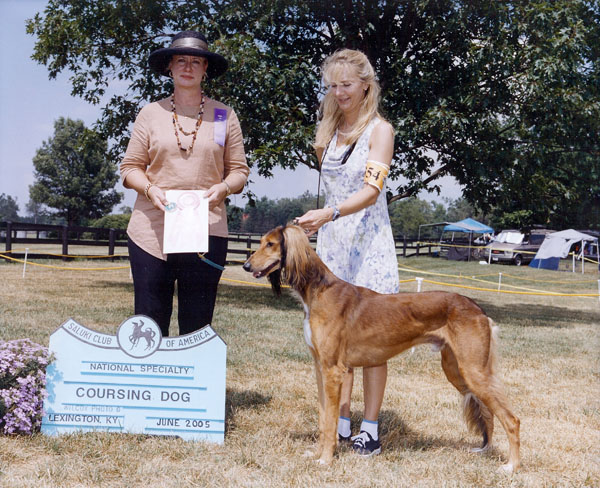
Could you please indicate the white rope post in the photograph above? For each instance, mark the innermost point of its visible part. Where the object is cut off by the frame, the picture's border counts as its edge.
(499, 281)
(25, 262)
(419, 283)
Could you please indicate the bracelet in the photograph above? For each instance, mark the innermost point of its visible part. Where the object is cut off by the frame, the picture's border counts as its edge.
(336, 213)
(148, 186)
(228, 188)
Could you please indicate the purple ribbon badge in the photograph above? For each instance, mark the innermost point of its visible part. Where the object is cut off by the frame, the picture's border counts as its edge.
(220, 126)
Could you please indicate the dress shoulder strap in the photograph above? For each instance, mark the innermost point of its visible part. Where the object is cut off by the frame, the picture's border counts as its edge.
(366, 135)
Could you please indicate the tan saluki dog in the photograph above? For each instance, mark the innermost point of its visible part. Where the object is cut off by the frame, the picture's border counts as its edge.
(347, 326)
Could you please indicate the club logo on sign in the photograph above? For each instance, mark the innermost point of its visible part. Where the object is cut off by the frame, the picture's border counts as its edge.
(139, 338)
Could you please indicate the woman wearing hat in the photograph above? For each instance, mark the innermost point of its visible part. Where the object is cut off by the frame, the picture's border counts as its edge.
(184, 142)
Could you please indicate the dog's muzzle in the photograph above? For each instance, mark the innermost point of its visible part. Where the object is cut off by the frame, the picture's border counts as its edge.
(259, 274)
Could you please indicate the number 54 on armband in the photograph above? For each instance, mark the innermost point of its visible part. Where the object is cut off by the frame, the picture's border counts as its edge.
(375, 174)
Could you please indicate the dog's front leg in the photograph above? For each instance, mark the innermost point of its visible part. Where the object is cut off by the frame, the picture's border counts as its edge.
(316, 452)
(332, 385)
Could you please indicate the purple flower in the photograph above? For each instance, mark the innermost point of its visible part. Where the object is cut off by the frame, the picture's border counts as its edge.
(22, 385)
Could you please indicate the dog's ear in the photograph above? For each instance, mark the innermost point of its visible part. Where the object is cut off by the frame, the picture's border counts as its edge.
(275, 279)
(275, 276)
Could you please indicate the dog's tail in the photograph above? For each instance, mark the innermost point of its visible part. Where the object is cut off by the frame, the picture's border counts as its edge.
(478, 417)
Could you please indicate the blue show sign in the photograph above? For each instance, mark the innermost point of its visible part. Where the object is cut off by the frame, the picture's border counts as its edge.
(136, 382)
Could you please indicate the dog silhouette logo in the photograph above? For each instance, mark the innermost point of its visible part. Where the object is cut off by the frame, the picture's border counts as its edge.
(139, 336)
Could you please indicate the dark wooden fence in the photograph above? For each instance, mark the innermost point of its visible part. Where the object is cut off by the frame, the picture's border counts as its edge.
(13, 233)
(242, 244)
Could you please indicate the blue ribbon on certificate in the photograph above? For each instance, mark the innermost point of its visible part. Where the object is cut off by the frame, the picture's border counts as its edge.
(220, 126)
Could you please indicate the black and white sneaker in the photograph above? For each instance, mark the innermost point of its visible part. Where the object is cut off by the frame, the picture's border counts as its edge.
(364, 445)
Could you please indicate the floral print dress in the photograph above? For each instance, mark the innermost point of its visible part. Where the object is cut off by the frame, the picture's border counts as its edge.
(358, 248)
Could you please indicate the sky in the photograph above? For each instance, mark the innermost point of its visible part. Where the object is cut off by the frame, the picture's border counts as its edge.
(30, 103)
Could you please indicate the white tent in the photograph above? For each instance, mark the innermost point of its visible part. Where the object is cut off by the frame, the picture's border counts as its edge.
(556, 246)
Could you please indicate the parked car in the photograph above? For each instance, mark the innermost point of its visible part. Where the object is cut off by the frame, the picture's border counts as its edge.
(514, 246)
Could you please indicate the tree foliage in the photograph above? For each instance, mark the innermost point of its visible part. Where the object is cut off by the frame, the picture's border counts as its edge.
(504, 96)
(405, 216)
(264, 214)
(112, 221)
(9, 208)
(73, 175)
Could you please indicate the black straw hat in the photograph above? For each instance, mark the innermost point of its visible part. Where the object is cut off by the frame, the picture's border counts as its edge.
(189, 43)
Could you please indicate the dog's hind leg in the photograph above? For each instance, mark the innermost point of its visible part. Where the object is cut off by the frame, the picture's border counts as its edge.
(477, 415)
(319, 376)
(483, 383)
(489, 391)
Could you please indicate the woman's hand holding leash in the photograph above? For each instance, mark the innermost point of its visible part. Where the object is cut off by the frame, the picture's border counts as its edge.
(313, 220)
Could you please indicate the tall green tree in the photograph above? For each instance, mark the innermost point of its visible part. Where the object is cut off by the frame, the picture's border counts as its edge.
(73, 175)
(460, 209)
(9, 208)
(504, 96)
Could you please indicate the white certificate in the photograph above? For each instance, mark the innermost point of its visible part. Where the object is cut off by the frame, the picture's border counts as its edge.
(186, 222)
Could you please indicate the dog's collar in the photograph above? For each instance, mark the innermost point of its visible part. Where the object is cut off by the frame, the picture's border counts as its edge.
(266, 271)
(283, 250)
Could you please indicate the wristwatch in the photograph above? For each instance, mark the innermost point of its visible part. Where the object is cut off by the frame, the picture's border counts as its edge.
(336, 213)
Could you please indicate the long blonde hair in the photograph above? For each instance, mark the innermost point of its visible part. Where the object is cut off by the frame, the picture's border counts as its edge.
(333, 67)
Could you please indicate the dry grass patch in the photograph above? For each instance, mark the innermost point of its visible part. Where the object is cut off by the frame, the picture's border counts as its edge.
(549, 361)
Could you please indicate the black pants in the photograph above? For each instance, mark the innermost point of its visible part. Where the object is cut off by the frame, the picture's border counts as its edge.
(197, 281)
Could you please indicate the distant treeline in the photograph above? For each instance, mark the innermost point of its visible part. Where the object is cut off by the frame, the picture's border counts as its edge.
(263, 214)
(405, 215)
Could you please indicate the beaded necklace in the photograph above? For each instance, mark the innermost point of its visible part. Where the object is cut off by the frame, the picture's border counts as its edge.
(177, 125)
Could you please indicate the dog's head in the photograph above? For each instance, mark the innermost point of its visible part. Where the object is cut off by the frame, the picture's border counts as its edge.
(269, 259)
(285, 247)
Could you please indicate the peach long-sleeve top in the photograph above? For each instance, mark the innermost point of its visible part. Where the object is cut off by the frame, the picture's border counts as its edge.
(153, 149)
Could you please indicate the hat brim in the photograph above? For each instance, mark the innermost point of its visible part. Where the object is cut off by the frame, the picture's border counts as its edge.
(159, 60)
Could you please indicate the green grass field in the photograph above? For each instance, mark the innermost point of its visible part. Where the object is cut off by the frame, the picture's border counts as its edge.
(549, 348)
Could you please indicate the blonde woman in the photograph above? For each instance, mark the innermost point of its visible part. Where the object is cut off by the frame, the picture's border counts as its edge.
(355, 145)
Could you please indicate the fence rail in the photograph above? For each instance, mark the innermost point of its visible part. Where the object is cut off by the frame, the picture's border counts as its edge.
(13, 233)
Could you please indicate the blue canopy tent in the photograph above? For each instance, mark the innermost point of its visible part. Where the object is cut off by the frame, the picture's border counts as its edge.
(469, 226)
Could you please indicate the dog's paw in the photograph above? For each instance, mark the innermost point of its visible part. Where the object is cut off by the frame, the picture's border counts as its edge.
(506, 468)
(479, 450)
